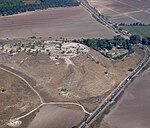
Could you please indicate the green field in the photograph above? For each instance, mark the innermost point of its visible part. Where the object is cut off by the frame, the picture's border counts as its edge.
(143, 31)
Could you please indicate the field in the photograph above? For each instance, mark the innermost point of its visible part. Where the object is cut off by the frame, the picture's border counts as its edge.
(133, 108)
(124, 11)
(56, 117)
(16, 98)
(72, 22)
(143, 31)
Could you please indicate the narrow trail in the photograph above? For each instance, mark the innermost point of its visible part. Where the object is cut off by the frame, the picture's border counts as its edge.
(13, 122)
(41, 100)
(52, 103)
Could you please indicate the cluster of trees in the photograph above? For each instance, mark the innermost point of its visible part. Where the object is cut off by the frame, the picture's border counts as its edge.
(9, 7)
(108, 44)
(117, 41)
(134, 39)
(145, 41)
(134, 24)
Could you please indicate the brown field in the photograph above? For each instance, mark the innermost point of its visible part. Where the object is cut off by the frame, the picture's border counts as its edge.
(56, 117)
(130, 11)
(143, 4)
(143, 16)
(16, 99)
(85, 79)
(122, 19)
(133, 108)
(73, 22)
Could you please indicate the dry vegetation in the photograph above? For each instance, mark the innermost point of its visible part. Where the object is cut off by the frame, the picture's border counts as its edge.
(89, 75)
(16, 98)
(85, 76)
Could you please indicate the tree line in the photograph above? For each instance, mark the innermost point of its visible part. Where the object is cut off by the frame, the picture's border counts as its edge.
(9, 7)
(134, 24)
(117, 41)
(108, 44)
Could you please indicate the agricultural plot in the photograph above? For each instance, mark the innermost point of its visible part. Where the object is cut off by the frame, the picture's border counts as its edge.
(143, 16)
(143, 31)
(132, 110)
(72, 23)
(125, 11)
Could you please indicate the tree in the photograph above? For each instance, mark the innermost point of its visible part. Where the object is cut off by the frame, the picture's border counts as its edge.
(118, 40)
(128, 45)
(134, 39)
(124, 45)
(148, 40)
(144, 41)
(74, 127)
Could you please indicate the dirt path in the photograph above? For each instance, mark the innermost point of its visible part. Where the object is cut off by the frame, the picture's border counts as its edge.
(16, 121)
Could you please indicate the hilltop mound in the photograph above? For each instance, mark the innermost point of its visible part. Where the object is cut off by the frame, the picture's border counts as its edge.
(74, 78)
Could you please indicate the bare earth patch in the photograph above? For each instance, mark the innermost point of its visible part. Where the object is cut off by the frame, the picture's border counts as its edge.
(56, 117)
(124, 11)
(133, 109)
(73, 22)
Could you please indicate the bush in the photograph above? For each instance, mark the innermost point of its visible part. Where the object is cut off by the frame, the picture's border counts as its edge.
(130, 69)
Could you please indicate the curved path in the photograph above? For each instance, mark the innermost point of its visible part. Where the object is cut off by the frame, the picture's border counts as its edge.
(12, 122)
(53, 103)
(6, 70)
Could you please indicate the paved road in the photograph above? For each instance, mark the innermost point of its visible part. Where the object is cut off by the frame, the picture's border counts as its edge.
(111, 98)
(116, 93)
(101, 19)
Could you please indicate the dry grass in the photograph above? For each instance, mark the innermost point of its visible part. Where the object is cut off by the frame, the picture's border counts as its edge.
(16, 99)
(84, 79)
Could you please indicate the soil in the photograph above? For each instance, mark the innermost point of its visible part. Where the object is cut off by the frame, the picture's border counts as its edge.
(124, 11)
(133, 109)
(66, 22)
(56, 117)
